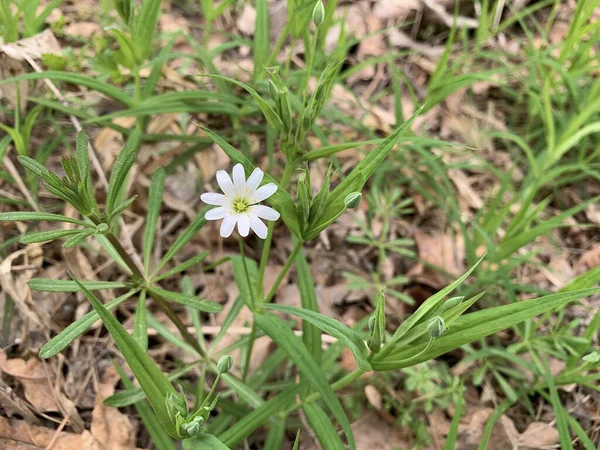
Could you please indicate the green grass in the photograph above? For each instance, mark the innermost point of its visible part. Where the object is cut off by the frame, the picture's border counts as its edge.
(548, 96)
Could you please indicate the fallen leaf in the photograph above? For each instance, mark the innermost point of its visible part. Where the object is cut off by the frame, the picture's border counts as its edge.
(440, 250)
(39, 385)
(83, 29)
(247, 20)
(32, 47)
(373, 433)
(19, 435)
(537, 435)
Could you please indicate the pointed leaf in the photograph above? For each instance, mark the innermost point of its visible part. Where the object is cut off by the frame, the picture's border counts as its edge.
(280, 333)
(44, 236)
(154, 202)
(31, 216)
(50, 285)
(199, 303)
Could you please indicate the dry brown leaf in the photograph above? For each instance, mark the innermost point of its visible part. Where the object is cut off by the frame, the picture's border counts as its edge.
(395, 9)
(373, 433)
(39, 386)
(109, 425)
(83, 29)
(373, 396)
(15, 284)
(537, 435)
(33, 47)
(247, 20)
(19, 435)
(440, 250)
(472, 426)
(589, 259)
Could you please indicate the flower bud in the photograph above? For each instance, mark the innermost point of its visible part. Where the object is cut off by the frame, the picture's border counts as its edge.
(225, 364)
(436, 327)
(451, 303)
(318, 13)
(377, 325)
(101, 228)
(352, 200)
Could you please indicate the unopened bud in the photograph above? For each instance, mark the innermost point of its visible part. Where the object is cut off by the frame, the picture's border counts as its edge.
(436, 327)
(225, 364)
(101, 228)
(352, 200)
(451, 303)
(318, 13)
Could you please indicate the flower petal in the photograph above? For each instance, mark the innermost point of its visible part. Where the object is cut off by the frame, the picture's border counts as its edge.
(254, 180)
(263, 192)
(225, 183)
(264, 212)
(228, 225)
(217, 213)
(239, 179)
(212, 198)
(243, 223)
(258, 227)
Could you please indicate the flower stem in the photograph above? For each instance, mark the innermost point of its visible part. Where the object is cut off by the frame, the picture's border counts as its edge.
(162, 303)
(339, 384)
(284, 270)
(285, 178)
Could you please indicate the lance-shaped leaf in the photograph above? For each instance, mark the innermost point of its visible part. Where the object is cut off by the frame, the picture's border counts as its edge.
(311, 335)
(44, 236)
(280, 200)
(272, 118)
(322, 426)
(49, 285)
(197, 223)
(32, 216)
(378, 324)
(357, 178)
(155, 385)
(183, 266)
(278, 330)
(204, 441)
(333, 328)
(59, 342)
(199, 303)
(120, 171)
(475, 326)
(154, 202)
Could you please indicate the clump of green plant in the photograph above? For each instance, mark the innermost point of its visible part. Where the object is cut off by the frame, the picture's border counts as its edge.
(439, 324)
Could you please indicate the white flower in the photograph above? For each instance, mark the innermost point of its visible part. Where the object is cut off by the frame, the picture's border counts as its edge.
(239, 204)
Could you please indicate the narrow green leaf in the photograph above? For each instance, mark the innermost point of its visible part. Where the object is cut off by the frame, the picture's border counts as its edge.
(477, 325)
(245, 426)
(260, 44)
(155, 195)
(431, 304)
(321, 424)
(122, 207)
(160, 437)
(311, 335)
(452, 436)
(50, 285)
(44, 236)
(280, 200)
(331, 327)
(140, 324)
(357, 178)
(562, 421)
(183, 266)
(272, 118)
(59, 342)
(192, 229)
(155, 385)
(242, 281)
(277, 329)
(145, 26)
(120, 171)
(204, 442)
(276, 435)
(32, 216)
(79, 80)
(199, 303)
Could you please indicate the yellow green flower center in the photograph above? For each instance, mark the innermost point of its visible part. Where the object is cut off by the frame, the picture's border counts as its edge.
(240, 205)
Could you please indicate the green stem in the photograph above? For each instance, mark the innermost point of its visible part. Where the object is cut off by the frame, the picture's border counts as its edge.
(285, 269)
(342, 382)
(241, 243)
(285, 178)
(162, 303)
